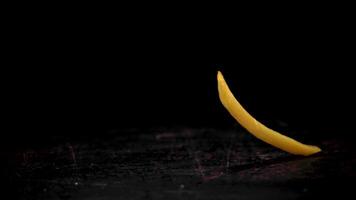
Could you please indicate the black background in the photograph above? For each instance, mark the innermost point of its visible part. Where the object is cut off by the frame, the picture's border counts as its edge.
(88, 78)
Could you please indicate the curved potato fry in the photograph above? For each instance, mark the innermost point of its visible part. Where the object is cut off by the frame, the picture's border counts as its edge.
(258, 129)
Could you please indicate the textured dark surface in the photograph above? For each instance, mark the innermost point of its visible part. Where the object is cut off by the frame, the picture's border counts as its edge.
(180, 164)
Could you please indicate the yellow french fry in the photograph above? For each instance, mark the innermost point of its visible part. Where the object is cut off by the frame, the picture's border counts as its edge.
(258, 129)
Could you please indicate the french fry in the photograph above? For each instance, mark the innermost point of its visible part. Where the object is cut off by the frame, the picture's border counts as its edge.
(258, 129)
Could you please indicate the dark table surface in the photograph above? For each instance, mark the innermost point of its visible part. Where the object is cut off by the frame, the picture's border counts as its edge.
(179, 163)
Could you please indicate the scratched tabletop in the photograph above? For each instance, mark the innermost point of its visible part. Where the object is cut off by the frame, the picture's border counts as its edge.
(181, 163)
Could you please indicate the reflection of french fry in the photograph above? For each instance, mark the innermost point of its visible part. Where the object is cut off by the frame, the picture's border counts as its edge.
(258, 129)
